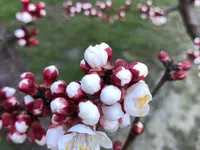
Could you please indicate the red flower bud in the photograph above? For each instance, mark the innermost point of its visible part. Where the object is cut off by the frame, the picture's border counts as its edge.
(35, 32)
(33, 42)
(11, 103)
(50, 75)
(24, 4)
(27, 86)
(138, 128)
(27, 75)
(179, 75)
(40, 5)
(37, 107)
(58, 88)
(7, 120)
(39, 134)
(185, 65)
(163, 56)
(117, 145)
(120, 62)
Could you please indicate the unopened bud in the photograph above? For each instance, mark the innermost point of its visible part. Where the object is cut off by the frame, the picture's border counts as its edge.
(163, 56)
(179, 75)
(137, 128)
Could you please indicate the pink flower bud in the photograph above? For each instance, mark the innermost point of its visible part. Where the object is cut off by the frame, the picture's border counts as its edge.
(11, 103)
(58, 119)
(74, 91)
(27, 75)
(19, 33)
(35, 32)
(24, 4)
(113, 112)
(27, 86)
(42, 13)
(91, 84)
(28, 100)
(120, 62)
(24, 17)
(138, 70)
(33, 42)
(6, 92)
(163, 56)
(117, 145)
(22, 42)
(31, 7)
(7, 120)
(16, 137)
(60, 106)
(22, 124)
(40, 5)
(89, 113)
(37, 107)
(121, 76)
(84, 67)
(50, 75)
(58, 88)
(179, 75)
(109, 99)
(39, 134)
(48, 94)
(185, 65)
(138, 128)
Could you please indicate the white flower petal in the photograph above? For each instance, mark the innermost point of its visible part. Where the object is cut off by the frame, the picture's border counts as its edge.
(54, 135)
(81, 128)
(113, 112)
(124, 121)
(103, 140)
(66, 141)
(109, 125)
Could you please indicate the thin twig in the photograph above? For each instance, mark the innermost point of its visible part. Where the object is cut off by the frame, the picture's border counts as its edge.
(171, 9)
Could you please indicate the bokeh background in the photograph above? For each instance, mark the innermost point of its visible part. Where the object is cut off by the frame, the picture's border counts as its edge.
(174, 120)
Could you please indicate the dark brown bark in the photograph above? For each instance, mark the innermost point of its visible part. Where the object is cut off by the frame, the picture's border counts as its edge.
(189, 18)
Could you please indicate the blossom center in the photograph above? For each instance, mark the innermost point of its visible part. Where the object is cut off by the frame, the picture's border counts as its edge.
(143, 100)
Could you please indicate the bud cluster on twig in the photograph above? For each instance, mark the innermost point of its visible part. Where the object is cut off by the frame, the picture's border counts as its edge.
(102, 10)
(30, 12)
(156, 15)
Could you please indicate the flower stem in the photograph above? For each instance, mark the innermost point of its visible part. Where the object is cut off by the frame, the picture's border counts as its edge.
(131, 136)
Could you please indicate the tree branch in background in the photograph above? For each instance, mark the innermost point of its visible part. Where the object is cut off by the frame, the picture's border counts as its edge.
(189, 18)
(171, 9)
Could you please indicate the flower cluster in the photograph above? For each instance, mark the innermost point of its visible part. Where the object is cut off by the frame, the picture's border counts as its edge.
(156, 15)
(101, 10)
(105, 97)
(175, 71)
(29, 14)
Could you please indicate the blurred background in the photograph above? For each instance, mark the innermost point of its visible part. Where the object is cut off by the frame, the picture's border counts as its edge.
(174, 120)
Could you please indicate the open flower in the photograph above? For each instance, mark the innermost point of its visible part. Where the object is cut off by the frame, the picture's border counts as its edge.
(137, 99)
(82, 137)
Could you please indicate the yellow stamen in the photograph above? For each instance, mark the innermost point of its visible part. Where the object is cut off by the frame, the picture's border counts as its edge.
(102, 139)
(141, 115)
(143, 99)
(67, 148)
(142, 107)
(87, 148)
(92, 138)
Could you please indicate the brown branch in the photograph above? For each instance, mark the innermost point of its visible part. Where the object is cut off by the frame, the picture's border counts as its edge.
(189, 18)
(171, 9)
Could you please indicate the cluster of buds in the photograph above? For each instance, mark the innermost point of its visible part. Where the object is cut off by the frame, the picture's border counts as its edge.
(156, 15)
(107, 96)
(18, 121)
(25, 36)
(30, 12)
(174, 71)
(101, 10)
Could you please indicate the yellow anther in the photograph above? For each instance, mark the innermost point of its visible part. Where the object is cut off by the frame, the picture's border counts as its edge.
(87, 148)
(81, 147)
(67, 148)
(143, 99)
(102, 139)
(142, 107)
(141, 115)
(92, 138)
